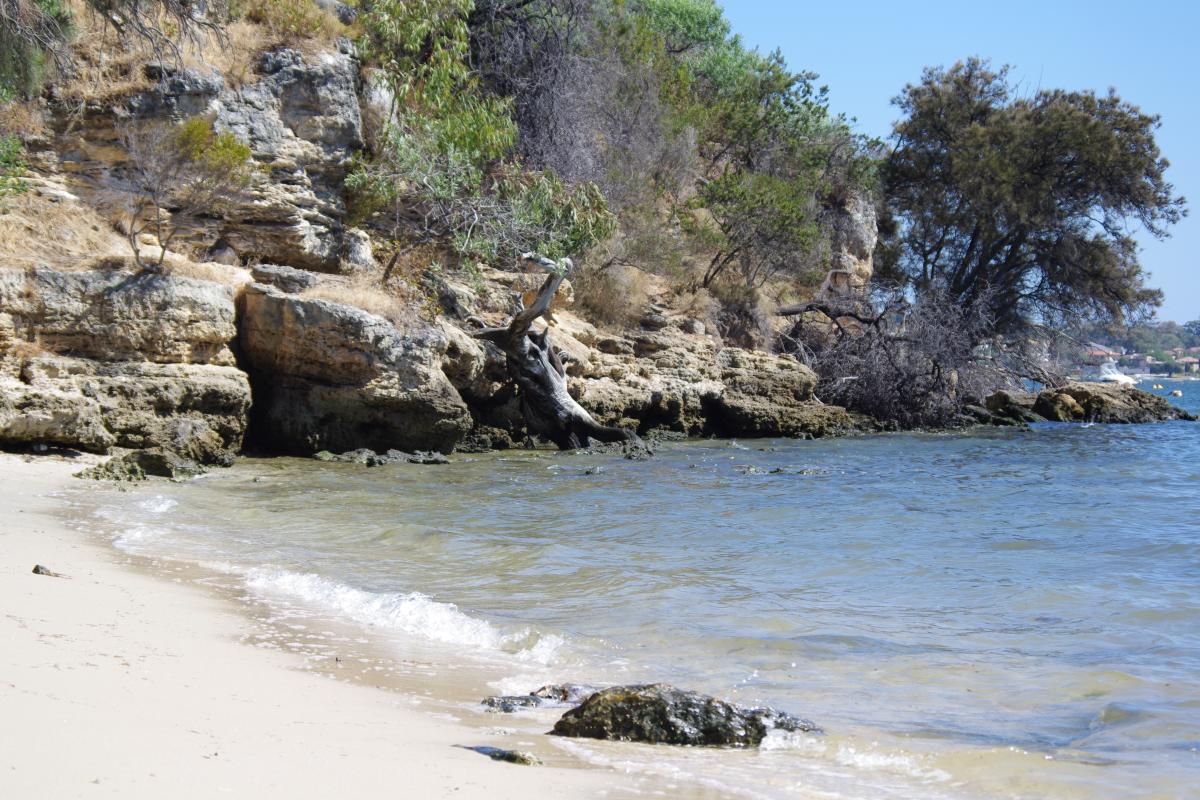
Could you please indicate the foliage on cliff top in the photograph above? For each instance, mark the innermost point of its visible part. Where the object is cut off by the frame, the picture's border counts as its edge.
(629, 114)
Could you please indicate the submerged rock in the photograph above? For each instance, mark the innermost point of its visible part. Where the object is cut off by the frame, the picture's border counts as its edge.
(369, 458)
(139, 464)
(509, 756)
(661, 714)
(555, 694)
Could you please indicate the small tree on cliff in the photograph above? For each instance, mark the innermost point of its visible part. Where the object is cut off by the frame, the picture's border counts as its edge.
(177, 175)
(1026, 200)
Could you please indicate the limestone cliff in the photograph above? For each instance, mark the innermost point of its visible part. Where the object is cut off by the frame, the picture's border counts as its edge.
(203, 359)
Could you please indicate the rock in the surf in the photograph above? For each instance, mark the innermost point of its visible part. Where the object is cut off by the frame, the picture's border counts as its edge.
(662, 714)
(1101, 402)
(555, 694)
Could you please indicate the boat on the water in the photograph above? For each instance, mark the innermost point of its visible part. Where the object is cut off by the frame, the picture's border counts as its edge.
(1109, 373)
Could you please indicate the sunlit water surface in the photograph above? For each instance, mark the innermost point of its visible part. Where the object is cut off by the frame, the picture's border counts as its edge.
(995, 614)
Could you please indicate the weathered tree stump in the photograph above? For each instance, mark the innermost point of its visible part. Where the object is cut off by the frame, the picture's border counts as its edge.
(532, 364)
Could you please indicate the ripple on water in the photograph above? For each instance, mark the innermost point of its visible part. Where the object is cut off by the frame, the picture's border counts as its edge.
(996, 615)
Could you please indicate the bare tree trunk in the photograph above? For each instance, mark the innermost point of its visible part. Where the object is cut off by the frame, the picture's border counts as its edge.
(548, 408)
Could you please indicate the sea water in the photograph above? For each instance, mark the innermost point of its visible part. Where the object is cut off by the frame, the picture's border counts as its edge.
(998, 613)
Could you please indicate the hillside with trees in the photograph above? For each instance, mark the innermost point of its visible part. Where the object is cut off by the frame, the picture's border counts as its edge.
(684, 174)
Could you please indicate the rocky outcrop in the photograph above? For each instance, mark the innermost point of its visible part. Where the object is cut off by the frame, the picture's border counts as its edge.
(119, 316)
(687, 383)
(300, 116)
(302, 121)
(1010, 408)
(332, 377)
(96, 360)
(661, 714)
(196, 410)
(1104, 402)
(854, 232)
(1080, 401)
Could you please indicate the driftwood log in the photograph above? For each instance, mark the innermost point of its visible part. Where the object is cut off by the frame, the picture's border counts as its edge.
(536, 369)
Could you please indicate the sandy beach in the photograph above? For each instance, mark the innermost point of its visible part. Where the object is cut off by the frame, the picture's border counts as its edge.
(118, 683)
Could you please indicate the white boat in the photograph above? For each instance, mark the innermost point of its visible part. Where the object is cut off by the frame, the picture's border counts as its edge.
(1108, 373)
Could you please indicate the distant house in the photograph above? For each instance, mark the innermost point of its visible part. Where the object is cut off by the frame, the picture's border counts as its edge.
(1137, 362)
(1188, 364)
(1096, 354)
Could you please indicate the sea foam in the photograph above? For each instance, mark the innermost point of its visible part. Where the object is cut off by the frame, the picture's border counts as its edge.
(412, 613)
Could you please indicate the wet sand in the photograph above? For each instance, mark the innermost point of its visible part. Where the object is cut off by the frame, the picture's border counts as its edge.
(116, 682)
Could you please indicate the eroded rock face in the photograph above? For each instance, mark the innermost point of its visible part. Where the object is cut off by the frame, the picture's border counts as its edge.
(119, 316)
(302, 121)
(1103, 402)
(333, 377)
(96, 360)
(661, 714)
(688, 383)
(196, 411)
(855, 232)
(300, 116)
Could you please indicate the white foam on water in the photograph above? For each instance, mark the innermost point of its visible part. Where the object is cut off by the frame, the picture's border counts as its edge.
(544, 651)
(411, 613)
(132, 536)
(851, 756)
(158, 504)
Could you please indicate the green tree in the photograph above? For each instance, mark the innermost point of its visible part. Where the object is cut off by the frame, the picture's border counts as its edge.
(1024, 200)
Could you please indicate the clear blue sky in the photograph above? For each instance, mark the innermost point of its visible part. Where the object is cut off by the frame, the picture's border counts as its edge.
(866, 51)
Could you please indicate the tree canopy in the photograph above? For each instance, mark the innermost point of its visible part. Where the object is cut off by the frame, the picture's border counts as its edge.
(1028, 201)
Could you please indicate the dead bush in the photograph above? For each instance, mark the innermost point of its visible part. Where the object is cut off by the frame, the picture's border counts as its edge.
(290, 21)
(613, 294)
(910, 364)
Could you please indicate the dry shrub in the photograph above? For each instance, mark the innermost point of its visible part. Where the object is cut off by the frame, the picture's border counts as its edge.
(365, 292)
(744, 316)
(236, 56)
(613, 294)
(42, 227)
(910, 364)
(290, 21)
(105, 68)
(698, 304)
(22, 118)
(23, 351)
(207, 271)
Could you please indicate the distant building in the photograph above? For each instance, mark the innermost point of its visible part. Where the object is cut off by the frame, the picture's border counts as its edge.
(1188, 364)
(1096, 354)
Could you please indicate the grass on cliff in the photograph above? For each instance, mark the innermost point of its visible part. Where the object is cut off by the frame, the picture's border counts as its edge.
(363, 291)
(40, 226)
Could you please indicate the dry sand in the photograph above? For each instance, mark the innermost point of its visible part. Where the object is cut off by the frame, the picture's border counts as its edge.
(115, 682)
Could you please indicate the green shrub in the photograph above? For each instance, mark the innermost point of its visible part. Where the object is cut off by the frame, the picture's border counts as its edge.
(12, 168)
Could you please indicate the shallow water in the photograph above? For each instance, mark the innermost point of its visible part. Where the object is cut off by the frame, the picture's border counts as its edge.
(995, 614)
